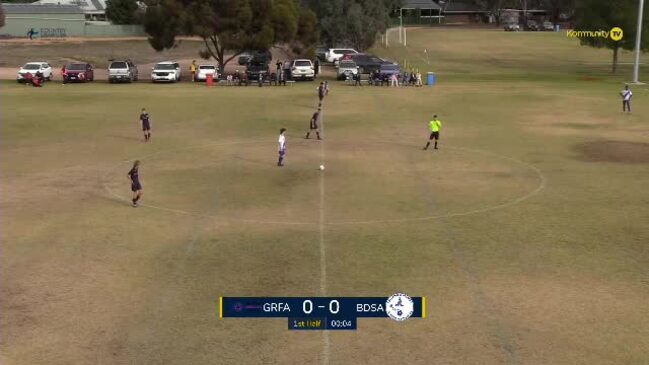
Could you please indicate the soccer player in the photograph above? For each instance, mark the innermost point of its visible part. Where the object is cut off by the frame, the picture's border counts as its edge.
(136, 187)
(313, 125)
(626, 99)
(322, 91)
(146, 125)
(282, 147)
(435, 125)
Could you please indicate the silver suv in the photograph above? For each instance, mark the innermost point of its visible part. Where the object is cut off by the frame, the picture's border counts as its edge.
(122, 71)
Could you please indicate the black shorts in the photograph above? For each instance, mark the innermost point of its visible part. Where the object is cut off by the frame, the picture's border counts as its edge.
(434, 135)
(146, 127)
(135, 186)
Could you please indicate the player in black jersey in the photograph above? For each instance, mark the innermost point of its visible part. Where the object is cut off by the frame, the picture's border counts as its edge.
(136, 187)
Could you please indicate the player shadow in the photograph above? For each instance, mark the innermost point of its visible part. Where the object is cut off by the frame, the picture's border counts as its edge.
(128, 138)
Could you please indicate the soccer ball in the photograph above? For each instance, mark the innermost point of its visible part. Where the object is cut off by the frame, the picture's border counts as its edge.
(321, 167)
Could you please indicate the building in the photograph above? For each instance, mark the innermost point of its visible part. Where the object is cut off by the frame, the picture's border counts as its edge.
(92, 9)
(40, 20)
(420, 12)
(46, 21)
(461, 12)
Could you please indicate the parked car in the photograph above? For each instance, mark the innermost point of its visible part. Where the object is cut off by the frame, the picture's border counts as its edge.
(531, 25)
(302, 69)
(78, 72)
(204, 70)
(386, 70)
(167, 71)
(244, 58)
(122, 71)
(346, 69)
(547, 26)
(257, 65)
(512, 27)
(367, 63)
(334, 54)
(32, 68)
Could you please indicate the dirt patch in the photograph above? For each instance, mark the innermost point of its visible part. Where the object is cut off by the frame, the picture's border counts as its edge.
(614, 151)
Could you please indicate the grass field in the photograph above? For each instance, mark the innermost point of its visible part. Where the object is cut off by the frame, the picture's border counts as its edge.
(527, 231)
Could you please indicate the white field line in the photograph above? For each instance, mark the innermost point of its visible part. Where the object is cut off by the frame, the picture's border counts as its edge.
(323, 248)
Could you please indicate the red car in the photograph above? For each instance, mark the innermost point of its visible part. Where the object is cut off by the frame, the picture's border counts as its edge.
(78, 72)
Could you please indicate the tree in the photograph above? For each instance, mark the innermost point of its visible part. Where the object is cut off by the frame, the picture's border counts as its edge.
(122, 11)
(2, 16)
(352, 22)
(228, 27)
(593, 15)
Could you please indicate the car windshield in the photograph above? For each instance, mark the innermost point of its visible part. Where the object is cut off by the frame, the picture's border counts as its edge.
(344, 51)
(165, 66)
(390, 68)
(207, 67)
(303, 63)
(347, 64)
(118, 65)
(32, 66)
(76, 67)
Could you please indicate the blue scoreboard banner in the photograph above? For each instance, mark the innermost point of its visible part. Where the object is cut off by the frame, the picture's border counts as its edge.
(323, 313)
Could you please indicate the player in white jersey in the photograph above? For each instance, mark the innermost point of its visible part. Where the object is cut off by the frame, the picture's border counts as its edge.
(282, 146)
(626, 99)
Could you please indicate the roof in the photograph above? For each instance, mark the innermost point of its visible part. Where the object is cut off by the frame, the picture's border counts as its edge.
(40, 9)
(87, 6)
(460, 7)
(420, 4)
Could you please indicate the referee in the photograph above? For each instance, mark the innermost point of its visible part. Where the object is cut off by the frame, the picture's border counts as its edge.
(435, 125)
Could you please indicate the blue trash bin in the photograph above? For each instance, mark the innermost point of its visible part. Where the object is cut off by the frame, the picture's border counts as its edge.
(431, 78)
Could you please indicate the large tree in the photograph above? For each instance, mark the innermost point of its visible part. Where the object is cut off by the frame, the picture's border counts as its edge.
(122, 11)
(593, 15)
(229, 27)
(352, 22)
(2, 16)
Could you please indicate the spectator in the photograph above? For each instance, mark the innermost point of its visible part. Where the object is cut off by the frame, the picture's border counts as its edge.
(229, 80)
(192, 69)
(394, 80)
(413, 78)
(279, 65)
(419, 82)
(357, 79)
(316, 67)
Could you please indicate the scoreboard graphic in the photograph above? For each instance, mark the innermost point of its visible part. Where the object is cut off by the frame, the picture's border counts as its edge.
(323, 313)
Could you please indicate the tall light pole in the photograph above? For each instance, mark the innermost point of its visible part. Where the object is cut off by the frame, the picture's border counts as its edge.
(638, 38)
(400, 24)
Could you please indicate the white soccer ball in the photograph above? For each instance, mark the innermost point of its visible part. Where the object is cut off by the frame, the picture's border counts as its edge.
(321, 167)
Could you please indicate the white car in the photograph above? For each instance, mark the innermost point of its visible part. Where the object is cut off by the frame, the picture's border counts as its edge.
(302, 69)
(334, 54)
(33, 68)
(347, 68)
(166, 71)
(203, 70)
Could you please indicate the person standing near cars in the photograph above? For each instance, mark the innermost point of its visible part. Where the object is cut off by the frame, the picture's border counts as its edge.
(316, 67)
(192, 69)
(322, 91)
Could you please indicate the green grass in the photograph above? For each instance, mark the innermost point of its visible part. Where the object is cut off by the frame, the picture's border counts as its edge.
(559, 277)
